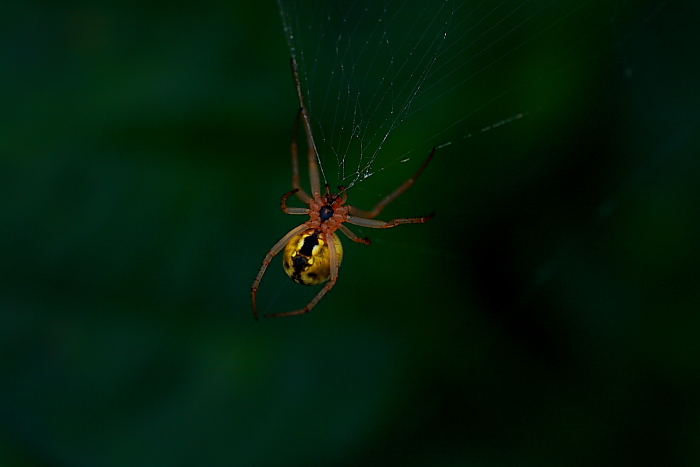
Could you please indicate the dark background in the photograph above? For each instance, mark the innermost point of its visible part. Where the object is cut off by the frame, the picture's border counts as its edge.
(548, 315)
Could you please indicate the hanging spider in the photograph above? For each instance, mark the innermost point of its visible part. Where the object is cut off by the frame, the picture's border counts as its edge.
(312, 250)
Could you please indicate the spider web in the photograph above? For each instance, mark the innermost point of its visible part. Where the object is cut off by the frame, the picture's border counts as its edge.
(584, 109)
(386, 81)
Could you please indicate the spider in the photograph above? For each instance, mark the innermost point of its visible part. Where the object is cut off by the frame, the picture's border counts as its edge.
(313, 251)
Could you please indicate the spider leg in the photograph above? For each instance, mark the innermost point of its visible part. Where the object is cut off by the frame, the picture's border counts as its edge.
(334, 278)
(296, 184)
(289, 210)
(268, 259)
(379, 224)
(352, 236)
(383, 203)
(314, 176)
(344, 193)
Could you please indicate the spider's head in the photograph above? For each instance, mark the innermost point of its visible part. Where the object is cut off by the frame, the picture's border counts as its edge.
(335, 200)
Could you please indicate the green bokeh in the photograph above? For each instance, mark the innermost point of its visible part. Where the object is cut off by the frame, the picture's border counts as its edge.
(548, 315)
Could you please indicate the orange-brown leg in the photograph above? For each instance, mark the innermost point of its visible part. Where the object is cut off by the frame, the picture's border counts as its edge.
(268, 259)
(292, 210)
(296, 184)
(335, 266)
(396, 193)
(314, 175)
(353, 236)
(379, 224)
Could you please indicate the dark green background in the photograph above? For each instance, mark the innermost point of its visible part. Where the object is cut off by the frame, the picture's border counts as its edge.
(548, 315)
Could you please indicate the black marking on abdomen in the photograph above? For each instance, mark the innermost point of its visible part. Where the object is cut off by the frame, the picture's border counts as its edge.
(300, 262)
(309, 243)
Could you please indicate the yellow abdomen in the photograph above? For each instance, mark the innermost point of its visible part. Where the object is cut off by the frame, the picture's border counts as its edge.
(307, 258)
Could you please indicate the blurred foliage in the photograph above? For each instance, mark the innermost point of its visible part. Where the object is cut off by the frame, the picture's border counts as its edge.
(547, 316)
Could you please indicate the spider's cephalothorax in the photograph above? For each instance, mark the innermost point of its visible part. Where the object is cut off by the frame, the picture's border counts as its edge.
(312, 250)
(327, 213)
